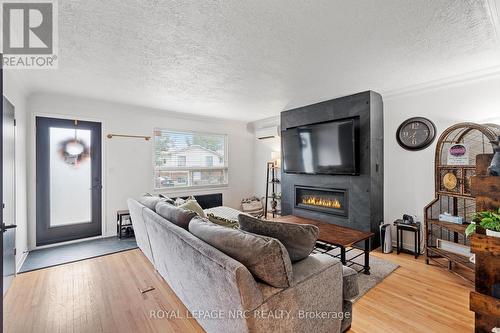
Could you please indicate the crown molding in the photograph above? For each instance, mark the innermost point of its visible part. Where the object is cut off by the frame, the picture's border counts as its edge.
(483, 74)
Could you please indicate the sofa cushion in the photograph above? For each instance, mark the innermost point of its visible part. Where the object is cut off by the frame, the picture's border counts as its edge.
(193, 206)
(266, 258)
(150, 201)
(176, 215)
(298, 239)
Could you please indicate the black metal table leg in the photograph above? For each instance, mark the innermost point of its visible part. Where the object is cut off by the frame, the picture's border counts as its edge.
(415, 242)
(342, 255)
(367, 257)
(418, 241)
(397, 240)
(120, 232)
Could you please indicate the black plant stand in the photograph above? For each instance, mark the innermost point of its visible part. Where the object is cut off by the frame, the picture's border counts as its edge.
(271, 193)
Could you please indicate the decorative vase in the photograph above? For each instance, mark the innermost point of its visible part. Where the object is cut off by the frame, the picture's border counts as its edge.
(492, 233)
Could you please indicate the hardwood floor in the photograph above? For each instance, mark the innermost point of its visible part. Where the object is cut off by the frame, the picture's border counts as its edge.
(95, 295)
(102, 295)
(415, 298)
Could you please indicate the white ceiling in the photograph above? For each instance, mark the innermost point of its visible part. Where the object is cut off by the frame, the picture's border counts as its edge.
(252, 59)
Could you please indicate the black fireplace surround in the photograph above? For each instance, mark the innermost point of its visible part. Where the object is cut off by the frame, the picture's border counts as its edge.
(325, 200)
(361, 197)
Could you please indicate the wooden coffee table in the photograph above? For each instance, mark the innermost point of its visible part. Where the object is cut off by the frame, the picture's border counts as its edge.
(335, 236)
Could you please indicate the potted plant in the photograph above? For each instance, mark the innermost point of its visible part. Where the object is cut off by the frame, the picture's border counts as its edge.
(489, 220)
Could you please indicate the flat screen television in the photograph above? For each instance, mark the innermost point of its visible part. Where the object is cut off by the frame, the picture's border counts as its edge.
(330, 148)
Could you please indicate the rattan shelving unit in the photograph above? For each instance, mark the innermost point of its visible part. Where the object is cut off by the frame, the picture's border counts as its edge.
(459, 200)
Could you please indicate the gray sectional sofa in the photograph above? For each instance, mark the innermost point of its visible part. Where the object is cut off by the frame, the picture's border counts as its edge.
(222, 294)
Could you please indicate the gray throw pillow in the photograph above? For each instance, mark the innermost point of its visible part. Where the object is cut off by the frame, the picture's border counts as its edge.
(176, 215)
(149, 200)
(167, 199)
(298, 239)
(266, 258)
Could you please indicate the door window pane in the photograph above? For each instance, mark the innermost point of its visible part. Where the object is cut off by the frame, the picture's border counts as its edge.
(70, 176)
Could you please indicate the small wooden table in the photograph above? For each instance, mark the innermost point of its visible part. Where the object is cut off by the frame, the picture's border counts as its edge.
(337, 237)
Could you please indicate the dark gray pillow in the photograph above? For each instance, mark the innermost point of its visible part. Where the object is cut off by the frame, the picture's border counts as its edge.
(176, 215)
(266, 258)
(167, 199)
(150, 201)
(298, 239)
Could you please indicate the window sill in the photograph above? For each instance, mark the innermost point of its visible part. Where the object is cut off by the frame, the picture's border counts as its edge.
(189, 189)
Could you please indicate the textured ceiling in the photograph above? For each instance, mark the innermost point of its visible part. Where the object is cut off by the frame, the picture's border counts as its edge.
(252, 59)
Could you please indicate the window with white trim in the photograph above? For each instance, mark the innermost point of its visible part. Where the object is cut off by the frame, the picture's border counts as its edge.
(189, 159)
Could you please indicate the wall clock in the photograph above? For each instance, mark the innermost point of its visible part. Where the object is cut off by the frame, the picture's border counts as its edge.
(450, 181)
(416, 133)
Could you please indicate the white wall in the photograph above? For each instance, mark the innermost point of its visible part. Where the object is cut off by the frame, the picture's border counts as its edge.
(128, 170)
(263, 148)
(409, 176)
(16, 94)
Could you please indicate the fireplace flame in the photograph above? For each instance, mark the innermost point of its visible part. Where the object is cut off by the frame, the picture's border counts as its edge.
(323, 202)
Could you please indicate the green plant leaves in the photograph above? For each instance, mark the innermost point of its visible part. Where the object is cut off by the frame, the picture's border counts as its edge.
(471, 228)
(487, 219)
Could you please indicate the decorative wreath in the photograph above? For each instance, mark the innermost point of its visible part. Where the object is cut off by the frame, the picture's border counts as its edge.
(74, 151)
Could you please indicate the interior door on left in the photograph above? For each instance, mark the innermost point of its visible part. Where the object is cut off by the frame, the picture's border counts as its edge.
(9, 194)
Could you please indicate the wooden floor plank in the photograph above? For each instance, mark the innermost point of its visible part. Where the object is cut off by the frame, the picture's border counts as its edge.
(102, 295)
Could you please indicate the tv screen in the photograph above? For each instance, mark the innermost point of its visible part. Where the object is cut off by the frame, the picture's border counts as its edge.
(325, 148)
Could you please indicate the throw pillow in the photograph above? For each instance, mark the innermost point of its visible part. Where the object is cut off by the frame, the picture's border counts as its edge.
(266, 258)
(194, 206)
(179, 201)
(149, 200)
(298, 239)
(176, 215)
(167, 199)
(223, 221)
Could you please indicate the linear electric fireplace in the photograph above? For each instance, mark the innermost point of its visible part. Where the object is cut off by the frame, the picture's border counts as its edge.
(325, 200)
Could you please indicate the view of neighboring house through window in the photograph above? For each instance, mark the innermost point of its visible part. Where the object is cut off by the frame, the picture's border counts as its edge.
(184, 159)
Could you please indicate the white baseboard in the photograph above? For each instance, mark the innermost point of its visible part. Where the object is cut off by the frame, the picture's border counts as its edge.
(21, 262)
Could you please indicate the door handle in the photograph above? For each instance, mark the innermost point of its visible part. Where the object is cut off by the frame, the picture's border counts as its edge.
(7, 227)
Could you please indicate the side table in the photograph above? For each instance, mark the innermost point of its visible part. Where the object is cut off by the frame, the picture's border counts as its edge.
(120, 215)
(416, 229)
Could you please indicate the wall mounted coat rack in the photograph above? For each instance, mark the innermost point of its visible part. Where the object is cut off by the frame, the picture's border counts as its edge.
(147, 138)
